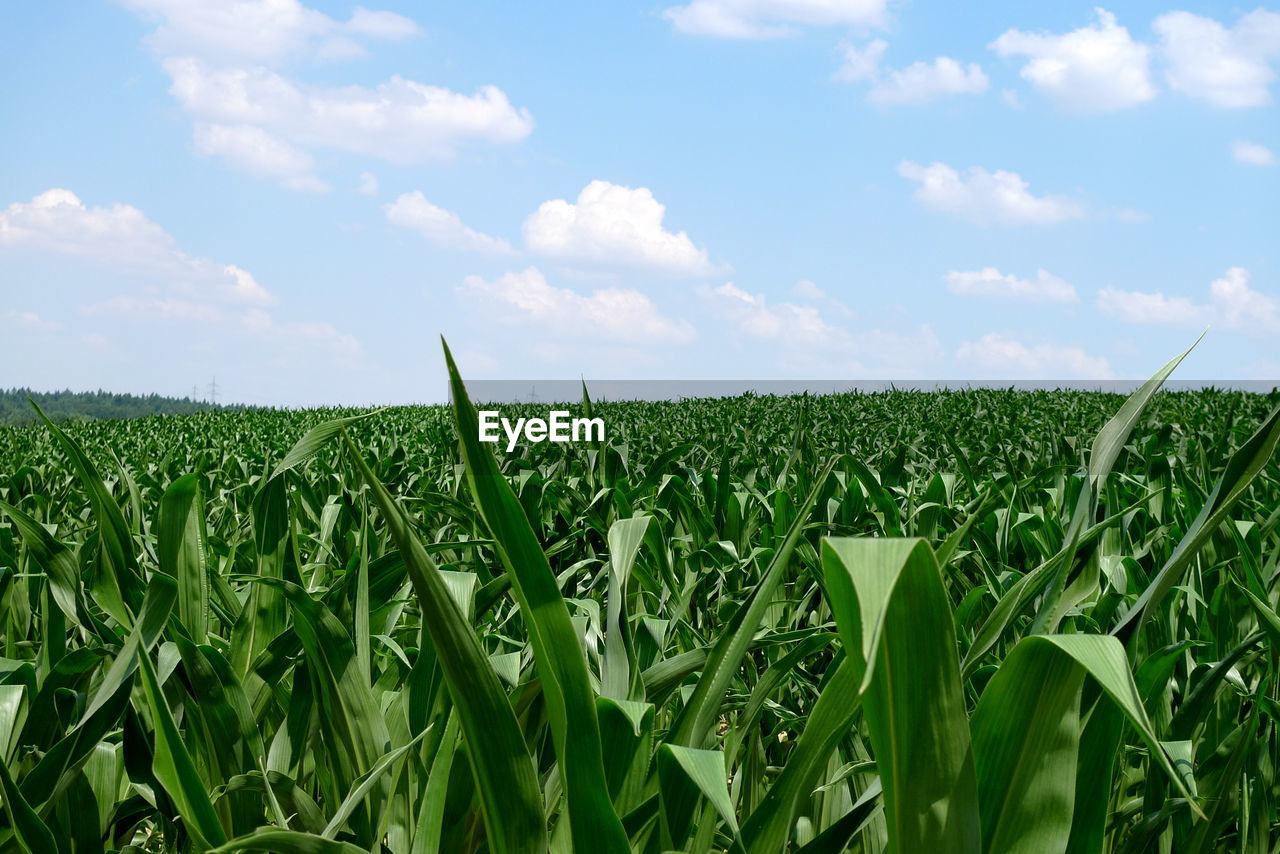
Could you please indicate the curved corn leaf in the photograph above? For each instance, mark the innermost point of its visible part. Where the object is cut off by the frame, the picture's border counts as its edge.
(1245, 464)
(768, 829)
(500, 760)
(895, 621)
(685, 775)
(287, 842)
(173, 767)
(182, 553)
(570, 704)
(32, 833)
(696, 720)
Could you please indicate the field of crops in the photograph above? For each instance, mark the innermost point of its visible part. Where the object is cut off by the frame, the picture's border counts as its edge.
(980, 621)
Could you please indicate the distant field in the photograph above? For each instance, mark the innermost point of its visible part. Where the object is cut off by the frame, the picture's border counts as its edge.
(707, 633)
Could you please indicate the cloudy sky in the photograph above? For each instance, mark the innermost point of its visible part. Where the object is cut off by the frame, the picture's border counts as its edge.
(299, 199)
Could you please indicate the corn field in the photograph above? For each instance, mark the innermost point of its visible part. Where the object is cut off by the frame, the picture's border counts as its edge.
(961, 621)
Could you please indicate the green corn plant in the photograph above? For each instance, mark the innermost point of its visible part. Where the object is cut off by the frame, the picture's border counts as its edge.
(978, 621)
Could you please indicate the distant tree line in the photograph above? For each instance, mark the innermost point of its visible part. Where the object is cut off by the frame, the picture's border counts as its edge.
(63, 405)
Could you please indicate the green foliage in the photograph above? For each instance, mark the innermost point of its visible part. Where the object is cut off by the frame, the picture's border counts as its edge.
(983, 621)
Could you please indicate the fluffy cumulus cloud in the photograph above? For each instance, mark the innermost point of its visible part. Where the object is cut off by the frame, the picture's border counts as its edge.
(1232, 304)
(986, 197)
(616, 225)
(121, 237)
(257, 152)
(990, 282)
(171, 285)
(763, 19)
(1228, 67)
(1251, 153)
(263, 31)
(441, 227)
(226, 62)
(785, 322)
(609, 314)
(997, 356)
(398, 120)
(918, 83)
(1098, 67)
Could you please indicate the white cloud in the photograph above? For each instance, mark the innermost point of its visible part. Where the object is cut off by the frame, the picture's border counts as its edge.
(399, 120)
(889, 354)
(122, 237)
(788, 323)
(1229, 68)
(28, 320)
(613, 224)
(262, 31)
(156, 308)
(860, 63)
(986, 197)
(763, 19)
(807, 290)
(1232, 304)
(381, 25)
(1095, 68)
(1004, 357)
(283, 336)
(259, 153)
(1252, 153)
(222, 57)
(442, 227)
(918, 83)
(1152, 308)
(173, 286)
(1239, 306)
(806, 339)
(610, 314)
(990, 282)
(294, 335)
(368, 185)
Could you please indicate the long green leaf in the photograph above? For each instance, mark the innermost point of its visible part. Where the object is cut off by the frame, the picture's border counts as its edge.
(695, 723)
(500, 760)
(32, 833)
(182, 552)
(173, 767)
(1245, 464)
(896, 624)
(570, 702)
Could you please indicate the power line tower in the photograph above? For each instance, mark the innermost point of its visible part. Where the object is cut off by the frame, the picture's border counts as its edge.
(213, 391)
(195, 393)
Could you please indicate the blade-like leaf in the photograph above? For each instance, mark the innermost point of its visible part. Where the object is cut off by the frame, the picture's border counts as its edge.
(182, 552)
(896, 624)
(173, 767)
(570, 704)
(500, 760)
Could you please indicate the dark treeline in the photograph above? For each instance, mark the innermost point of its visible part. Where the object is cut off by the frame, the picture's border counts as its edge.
(63, 405)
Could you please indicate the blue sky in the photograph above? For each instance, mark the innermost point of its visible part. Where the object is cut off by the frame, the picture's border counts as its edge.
(298, 199)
